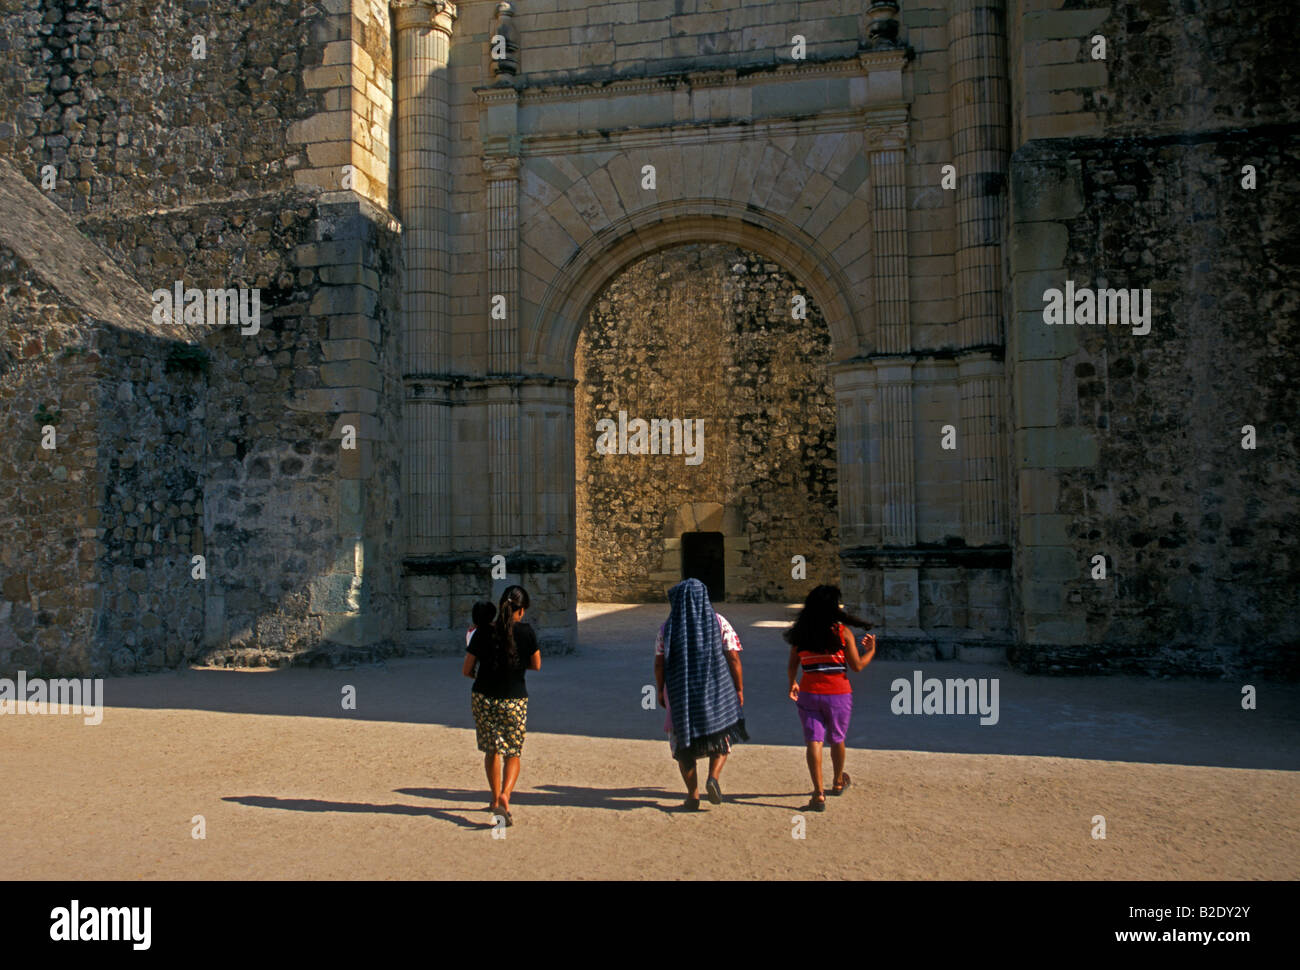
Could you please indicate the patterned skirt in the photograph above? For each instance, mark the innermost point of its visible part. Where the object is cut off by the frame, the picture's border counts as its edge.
(499, 723)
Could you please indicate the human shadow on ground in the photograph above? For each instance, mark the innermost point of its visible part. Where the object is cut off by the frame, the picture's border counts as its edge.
(749, 798)
(566, 796)
(320, 805)
(618, 799)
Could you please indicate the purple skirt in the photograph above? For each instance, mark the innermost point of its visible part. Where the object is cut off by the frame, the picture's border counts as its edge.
(825, 714)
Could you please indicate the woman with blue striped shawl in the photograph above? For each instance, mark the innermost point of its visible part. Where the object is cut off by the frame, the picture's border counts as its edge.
(701, 686)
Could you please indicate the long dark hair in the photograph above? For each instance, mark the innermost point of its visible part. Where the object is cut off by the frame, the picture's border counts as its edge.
(484, 612)
(514, 598)
(818, 618)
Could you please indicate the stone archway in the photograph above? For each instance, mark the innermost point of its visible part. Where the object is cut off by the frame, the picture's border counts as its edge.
(535, 470)
(552, 337)
(812, 165)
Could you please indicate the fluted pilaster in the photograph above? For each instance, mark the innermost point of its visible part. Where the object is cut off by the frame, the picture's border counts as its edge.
(423, 29)
(886, 148)
(984, 452)
(426, 471)
(977, 62)
(898, 512)
(503, 261)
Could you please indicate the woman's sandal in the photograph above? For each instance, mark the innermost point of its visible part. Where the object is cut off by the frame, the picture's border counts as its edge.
(815, 804)
(839, 790)
(715, 791)
(691, 805)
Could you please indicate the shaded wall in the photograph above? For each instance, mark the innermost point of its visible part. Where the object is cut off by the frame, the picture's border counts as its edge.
(1129, 173)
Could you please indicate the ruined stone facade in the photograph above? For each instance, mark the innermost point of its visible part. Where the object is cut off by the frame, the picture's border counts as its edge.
(381, 181)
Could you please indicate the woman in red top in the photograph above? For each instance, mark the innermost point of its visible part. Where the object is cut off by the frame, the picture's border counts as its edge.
(823, 648)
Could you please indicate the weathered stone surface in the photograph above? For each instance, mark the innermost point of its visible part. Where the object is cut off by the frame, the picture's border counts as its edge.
(707, 332)
(1145, 454)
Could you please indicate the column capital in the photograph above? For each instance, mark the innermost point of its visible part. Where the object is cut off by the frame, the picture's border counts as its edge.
(438, 14)
(887, 137)
(497, 167)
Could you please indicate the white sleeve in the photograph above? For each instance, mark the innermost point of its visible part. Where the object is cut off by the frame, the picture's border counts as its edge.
(729, 639)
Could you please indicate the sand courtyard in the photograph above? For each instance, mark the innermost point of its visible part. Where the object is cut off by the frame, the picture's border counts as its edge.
(290, 785)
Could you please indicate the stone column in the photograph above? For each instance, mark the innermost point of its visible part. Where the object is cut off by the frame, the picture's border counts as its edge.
(858, 448)
(977, 59)
(425, 468)
(983, 450)
(977, 63)
(503, 261)
(505, 423)
(423, 29)
(503, 465)
(898, 512)
(423, 40)
(886, 147)
(545, 467)
(899, 579)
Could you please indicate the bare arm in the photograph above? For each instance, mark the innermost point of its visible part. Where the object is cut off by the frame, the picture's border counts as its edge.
(468, 667)
(737, 674)
(792, 673)
(535, 661)
(858, 660)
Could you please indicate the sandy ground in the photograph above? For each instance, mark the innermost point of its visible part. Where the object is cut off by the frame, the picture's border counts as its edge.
(292, 786)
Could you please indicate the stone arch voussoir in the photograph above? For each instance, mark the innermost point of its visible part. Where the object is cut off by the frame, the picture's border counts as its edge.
(553, 335)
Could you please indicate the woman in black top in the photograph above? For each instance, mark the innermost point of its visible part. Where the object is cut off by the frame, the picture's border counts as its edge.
(498, 655)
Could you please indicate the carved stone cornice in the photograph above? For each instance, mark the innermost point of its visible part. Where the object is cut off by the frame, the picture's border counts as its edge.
(438, 14)
(894, 58)
(577, 89)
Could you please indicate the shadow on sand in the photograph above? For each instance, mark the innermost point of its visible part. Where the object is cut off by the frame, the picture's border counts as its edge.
(561, 796)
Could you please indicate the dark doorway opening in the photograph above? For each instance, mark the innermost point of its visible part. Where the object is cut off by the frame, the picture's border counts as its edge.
(702, 559)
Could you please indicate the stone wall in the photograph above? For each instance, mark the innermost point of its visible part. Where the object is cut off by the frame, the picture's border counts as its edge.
(1129, 446)
(707, 332)
(46, 497)
(149, 442)
(210, 171)
(112, 95)
(96, 577)
(1169, 67)
(289, 516)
